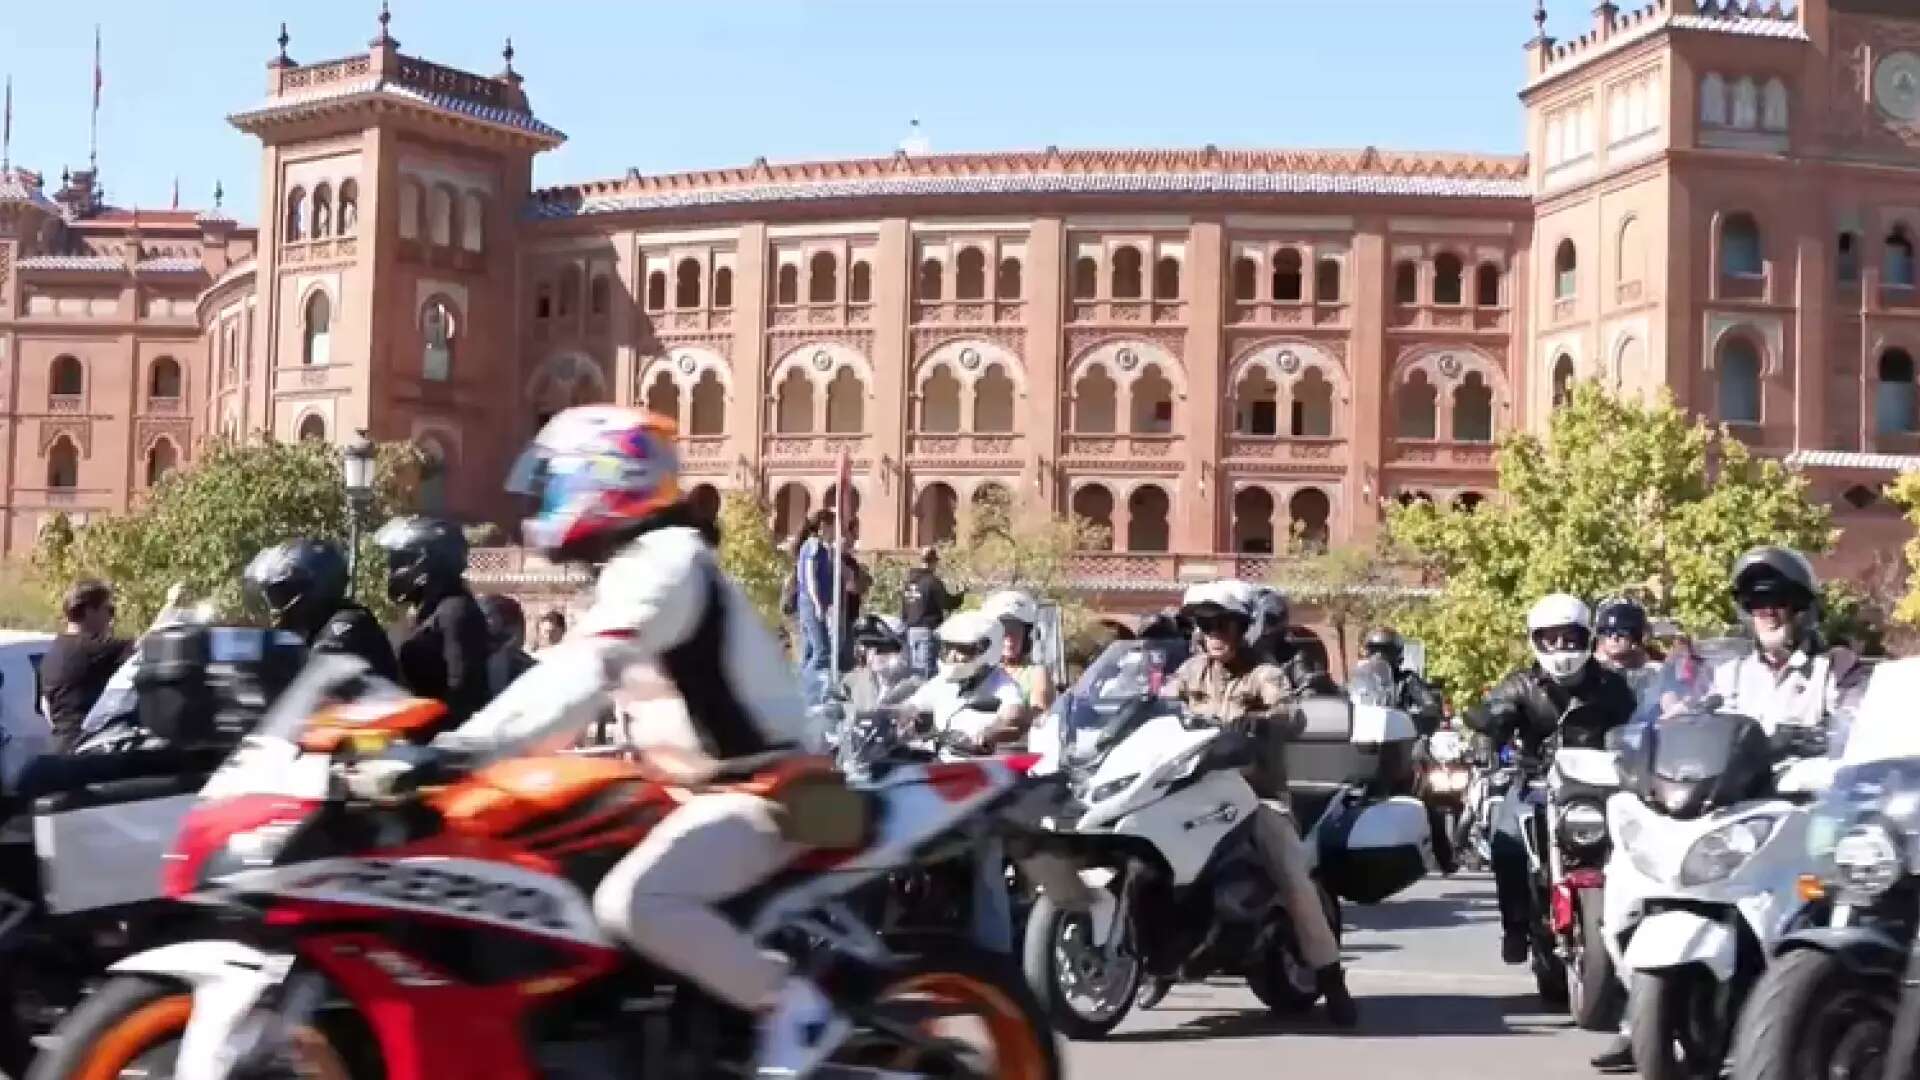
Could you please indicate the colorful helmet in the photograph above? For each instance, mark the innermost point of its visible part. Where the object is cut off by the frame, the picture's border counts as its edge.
(596, 474)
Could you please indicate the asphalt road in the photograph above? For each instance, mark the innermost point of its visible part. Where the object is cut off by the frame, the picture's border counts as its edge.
(1436, 1004)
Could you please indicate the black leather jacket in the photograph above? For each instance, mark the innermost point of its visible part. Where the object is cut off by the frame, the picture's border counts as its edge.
(354, 631)
(1420, 701)
(445, 656)
(1529, 705)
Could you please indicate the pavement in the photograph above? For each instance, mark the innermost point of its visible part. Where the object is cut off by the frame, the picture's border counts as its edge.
(1436, 1004)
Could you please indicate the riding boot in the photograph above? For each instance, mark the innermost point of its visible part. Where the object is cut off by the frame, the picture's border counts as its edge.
(1511, 884)
(1617, 1057)
(1341, 1008)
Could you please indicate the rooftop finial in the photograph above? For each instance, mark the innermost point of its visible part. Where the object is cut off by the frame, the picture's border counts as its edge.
(386, 17)
(284, 40)
(1540, 19)
(507, 55)
(219, 194)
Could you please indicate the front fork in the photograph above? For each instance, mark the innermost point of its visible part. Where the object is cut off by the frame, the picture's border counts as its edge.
(228, 981)
(1904, 1044)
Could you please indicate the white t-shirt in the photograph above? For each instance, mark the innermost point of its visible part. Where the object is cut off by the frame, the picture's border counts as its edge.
(947, 701)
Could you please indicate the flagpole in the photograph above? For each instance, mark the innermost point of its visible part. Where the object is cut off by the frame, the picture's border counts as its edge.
(93, 137)
(6, 132)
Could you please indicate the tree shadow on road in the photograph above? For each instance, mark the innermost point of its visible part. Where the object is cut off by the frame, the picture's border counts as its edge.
(1423, 913)
(1387, 1016)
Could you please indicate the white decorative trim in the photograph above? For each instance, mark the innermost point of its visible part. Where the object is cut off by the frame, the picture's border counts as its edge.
(1107, 354)
(807, 357)
(1771, 329)
(952, 355)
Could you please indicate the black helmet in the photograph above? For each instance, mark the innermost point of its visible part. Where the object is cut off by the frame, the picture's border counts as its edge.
(424, 555)
(879, 632)
(506, 622)
(1621, 616)
(1778, 577)
(299, 584)
(1385, 642)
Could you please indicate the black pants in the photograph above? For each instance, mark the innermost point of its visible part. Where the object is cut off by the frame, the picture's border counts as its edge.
(1512, 881)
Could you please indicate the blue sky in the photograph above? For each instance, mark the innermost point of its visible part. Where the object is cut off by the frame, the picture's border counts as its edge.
(663, 86)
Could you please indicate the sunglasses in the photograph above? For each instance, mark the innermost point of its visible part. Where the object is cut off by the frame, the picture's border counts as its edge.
(960, 651)
(1217, 624)
(1562, 639)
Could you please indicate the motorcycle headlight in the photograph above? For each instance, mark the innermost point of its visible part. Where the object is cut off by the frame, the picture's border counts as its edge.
(1111, 788)
(1583, 825)
(1866, 863)
(1719, 854)
(1637, 852)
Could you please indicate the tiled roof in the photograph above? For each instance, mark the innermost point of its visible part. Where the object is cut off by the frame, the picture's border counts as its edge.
(1054, 172)
(168, 264)
(1746, 18)
(1747, 25)
(120, 216)
(369, 88)
(171, 264)
(1847, 459)
(13, 189)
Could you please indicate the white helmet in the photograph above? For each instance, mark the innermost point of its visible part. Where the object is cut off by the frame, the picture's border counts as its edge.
(977, 633)
(1561, 655)
(1013, 604)
(1224, 597)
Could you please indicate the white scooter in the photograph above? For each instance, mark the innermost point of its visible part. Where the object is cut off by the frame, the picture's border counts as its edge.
(1710, 840)
(1163, 826)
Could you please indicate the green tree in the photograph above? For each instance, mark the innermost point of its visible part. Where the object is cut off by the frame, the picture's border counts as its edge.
(750, 555)
(1356, 587)
(202, 525)
(1000, 544)
(1906, 492)
(1618, 495)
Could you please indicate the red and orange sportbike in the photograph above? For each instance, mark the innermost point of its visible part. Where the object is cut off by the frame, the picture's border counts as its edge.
(447, 933)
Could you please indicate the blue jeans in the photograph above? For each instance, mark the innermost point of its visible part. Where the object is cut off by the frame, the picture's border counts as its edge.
(922, 651)
(816, 653)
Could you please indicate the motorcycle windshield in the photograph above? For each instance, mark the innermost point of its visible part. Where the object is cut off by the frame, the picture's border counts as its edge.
(338, 690)
(1117, 690)
(1696, 746)
(1372, 684)
(1884, 790)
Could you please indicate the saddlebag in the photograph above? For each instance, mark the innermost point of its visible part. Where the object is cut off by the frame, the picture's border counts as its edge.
(102, 846)
(1371, 849)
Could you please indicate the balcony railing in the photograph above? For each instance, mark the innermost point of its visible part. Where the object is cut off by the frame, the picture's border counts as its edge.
(1283, 448)
(1124, 445)
(963, 444)
(1436, 452)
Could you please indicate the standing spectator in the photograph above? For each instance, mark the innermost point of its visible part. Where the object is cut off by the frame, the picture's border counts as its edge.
(553, 630)
(855, 581)
(81, 660)
(508, 625)
(925, 604)
(814, 572)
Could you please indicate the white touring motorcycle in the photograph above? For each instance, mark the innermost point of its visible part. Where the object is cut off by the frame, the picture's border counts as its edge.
(1710, 841)
(1161, 819)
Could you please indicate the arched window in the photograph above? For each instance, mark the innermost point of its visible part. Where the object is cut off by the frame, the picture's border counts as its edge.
(993, 401)
(322, 211)
(63, 465)
(686, 284)
(1739, 381)
(317, 335)
(1486, 286)
(296, 226)
(312, 428)
(846, 403)
(1313, 406)
(657, 290)
(940, 402)
(473, 221)
(860, 283)
(1166, 278)
(1740, 254)
(823, 278)
(1847, 258)
(1147, 519)
(1253, 521)
(709, 413)
(1566, 271)
(1473, 410)
(1287, 283)
(1562, 380)
(1896, 411)
(1774, 106)
(663, 397)
(1245, 279)
(1257, 404)
(793, 404)
(1419, 408)
(790, 506)
(67, 378)
(1746, 104)
(932, 280)
(1126, 273)
(970, 275)
(1310, 514)
(432, 496)
(787, 285)
(1326, 281)
(349, 206)
(439, 329)
(723, 287)
(440, 216)
(162, 456)
(1152, 401)
(1093, 402)
(1086, 278)
(1449, 279)
(935, 515)
(1632, 251)
(1899, 268)
(570, 291)
(600, 296)
(1009, 285)
(1093, 504)
(1406, 283)
(410, 199)
(1713, 101)
(163, 382)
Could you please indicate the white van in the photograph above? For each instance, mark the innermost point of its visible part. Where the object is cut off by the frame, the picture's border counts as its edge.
(25, 731)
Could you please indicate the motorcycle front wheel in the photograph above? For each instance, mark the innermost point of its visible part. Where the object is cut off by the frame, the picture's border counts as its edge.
(1010, 1037)
(1680, 1030)
(1085, 992)
(1595, 996)
(1812, 1016)
(132, 1026)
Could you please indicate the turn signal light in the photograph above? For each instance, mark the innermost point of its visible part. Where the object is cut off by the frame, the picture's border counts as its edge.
(1809, 889)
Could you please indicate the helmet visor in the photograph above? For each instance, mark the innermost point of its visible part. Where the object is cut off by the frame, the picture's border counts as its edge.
(1562, 639)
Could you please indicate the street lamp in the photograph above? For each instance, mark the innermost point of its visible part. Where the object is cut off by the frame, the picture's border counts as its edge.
(356, 475)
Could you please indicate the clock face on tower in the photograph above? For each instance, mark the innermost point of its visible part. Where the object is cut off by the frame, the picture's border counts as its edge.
(1896, 86)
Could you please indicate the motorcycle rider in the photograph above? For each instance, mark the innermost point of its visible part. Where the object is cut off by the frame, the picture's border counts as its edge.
(1230, 684)
(445, 655)
(606, 482)
(1018, 613)
(1792, 677)
(1529, 705)
(882, 642)
(1272, 617)
(1620, 642)
(302, 586)
(969, 643)
(1413, 694)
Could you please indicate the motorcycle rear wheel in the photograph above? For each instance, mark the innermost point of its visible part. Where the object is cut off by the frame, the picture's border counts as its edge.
(1812, 1016)
(1549, 971)
(1282, 980)
(132, 1026)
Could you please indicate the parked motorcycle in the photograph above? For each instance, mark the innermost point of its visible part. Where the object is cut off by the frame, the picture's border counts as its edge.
(1711, 838)
(366, 935)
(1443, 779)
